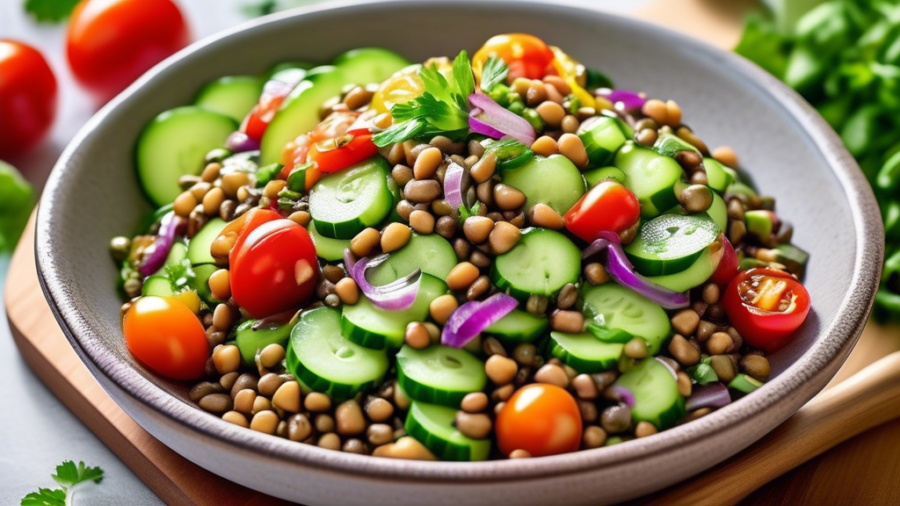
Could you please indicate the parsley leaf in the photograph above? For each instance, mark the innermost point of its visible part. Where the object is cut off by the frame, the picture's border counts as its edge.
(180, 274)
(50, 11)
(68, 475)
(494, 73)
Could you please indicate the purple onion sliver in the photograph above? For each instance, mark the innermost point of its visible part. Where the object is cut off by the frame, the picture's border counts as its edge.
(453, 185)
(162, 245)
(473, 317)
(239, 142)
(621, 270)
(502, 119)
(395, 296)
(628, 98)
(622, 394)
(713, 395)
(669, 367)
(480, 127)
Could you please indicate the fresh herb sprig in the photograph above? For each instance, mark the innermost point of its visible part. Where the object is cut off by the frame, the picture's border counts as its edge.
(494, 72)
(68, 475)
(442, 109)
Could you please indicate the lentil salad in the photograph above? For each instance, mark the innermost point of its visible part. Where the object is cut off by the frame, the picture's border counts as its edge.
(457, 260)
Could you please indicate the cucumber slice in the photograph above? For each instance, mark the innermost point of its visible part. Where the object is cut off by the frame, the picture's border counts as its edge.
(670, 145)
(326, 362)
(198, 247)
(344, 203)
(602, 137)
(328, 249)
(232, 96)
(368, 326)
(650, 176)
(289, 71)
(584, 352)
(744, 384)
(671, 243)
(617, 307)
(439, 374)
(431, 253)
(176, 255)
(594, 176)
(518, 327)
(368, 65)
(433, 426)
(656, 397)
(716, 176)
(510, 153)
(200, 282)
(250, 341)
(174, 144)
(695, 275)
(718, 211)
(531, 179)
(541, 263)
(157, 285)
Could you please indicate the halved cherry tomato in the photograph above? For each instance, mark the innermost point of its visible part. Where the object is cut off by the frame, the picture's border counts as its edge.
(341, 152)
(257, 121)
(728, 266)
(766, 307)
(167, 337)
(232, 237)
(335, 125)
(275, 269)
(525, 55)
(607, 207)
(540, 418)
(27, 97)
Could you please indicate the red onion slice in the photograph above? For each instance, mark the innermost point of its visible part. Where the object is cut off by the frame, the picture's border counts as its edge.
(480, 127)
(473, 317)
(239, 142)
(621, 394)
(394, 296)
(501, 119)
(162, 245)
(629, 99)
(453, 179)
(713, 395)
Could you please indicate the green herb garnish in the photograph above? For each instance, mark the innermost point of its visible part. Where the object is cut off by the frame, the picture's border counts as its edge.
(494, 73)
(68, 475)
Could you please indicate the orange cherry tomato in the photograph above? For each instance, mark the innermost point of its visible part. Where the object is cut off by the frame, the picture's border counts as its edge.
(110, 43)
(275, 268)
(766, 307)
(525, 55)
(608, 206)
(335, 154)
(540, 418)
(27, 97)
(167, 337)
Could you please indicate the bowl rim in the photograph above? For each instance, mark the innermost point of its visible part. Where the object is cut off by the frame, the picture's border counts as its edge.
(831, 344)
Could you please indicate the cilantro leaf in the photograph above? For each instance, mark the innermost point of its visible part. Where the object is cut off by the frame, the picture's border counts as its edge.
(45, 497)
(68, 475)
(50, 11)
(399, 132)
(494, 73)
(180, 274)
(464, 79)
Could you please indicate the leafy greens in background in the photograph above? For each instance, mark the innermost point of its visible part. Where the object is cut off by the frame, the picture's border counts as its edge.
(68, 475)
(16, 203)
(843, 56)
(50, 11)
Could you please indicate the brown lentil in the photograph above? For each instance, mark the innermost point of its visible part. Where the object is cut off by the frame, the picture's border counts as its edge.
(445, 226)
(461, 276)
(593, 437)
(236, 418)
(673, 113)
(636, 348)
(500, 370)
(222, 317)
(684, 384)
(379, 410)
(416, 336)
(537, 304)
(473, 425)
(211, 172)
(243, 382)
(299, 427)
(711, 293)
(571, 146)
(441, 307)
(349, 416)
(552, 113)
(324, 423)
(216, 403)
(552, 374)
(570, 124)
(364, 242)
(401, 400)
(696, 198)
(585, 387)
(475, 402)
(261, 404)
(536, 93)
(244, 400)
(545, 146)
(726, 156)
(226, 358)
(685, 322)
(317, 402)
(427, 163)
(184, 203)
(503, 237)
(330, 441)
(269, 383)
(719, 343)
(479, 287)
(378, 434)
(756, 366)
(657, 111)
(423, 191)
(287, 397)
(685, 134)
(227, 380)
(683, 351)
(615, 419)
(503, 393)
(567, 321)
(595, 273)
(644, 429)
(519, 454)
(723, 366)
(480, 260)
(394, 237)
(203, 389)
(567, 296)
(647, 137)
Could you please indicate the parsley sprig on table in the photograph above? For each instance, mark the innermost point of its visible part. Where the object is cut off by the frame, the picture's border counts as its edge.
(68, 475)
(442, 109)
(50, 11)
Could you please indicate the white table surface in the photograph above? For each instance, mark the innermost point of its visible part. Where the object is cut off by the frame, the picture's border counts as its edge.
(36, 430)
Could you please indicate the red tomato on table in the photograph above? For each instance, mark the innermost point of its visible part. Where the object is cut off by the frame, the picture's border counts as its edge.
(607, 207)
(167, 337)
(27, 97)
(541, 419)
(766, 307)
(110, 43)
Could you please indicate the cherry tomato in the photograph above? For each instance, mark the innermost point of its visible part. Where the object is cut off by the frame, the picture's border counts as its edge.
(167, 337)
(110, 43)
(728, 266)
(275, 268)
(257, 121)
(525, 55)
(766, 307)
(541, 419)
(341, 152)
(335, 125)
(608, 206)
(27, 97)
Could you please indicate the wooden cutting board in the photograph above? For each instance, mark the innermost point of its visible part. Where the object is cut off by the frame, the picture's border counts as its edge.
(863, 470)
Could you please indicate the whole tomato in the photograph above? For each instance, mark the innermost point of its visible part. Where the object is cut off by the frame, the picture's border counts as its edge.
(540, 418)
(110, 43)
(167, 337)
(27, 97)
(607, 207)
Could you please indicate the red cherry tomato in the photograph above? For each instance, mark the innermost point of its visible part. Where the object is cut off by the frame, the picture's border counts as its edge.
(273, 95)
(275, 269)
(339, 153)
(766, 307)
(236, 232)
(728, 266)
(110, 43)
(525, 55)
(541, 419)
(167, 337)
(608, 206)
(27, 97)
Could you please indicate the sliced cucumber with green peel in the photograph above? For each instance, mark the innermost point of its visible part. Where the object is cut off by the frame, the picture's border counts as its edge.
(594, 176)
(744, 384)
(430, 253)
(200, 282)
(602, 137)
(199, 245)
(656, 397)
(616, 307)
(319, 356)
(670, 243)
(342, 204)
(367, 65)
(439, 374)
(510, 153)
(693, 276)
(176, 255)
(584, 352)
(250, 341)
(670, 145)
(157, 285)
(718, 211)
(328, 249)
(533, 177)
(175, 144)
(232, 96)
(289, 71)
(518, 327)
(433, 426)
(541, 263)
(369, 326)
(650, 176)
(716, 176)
